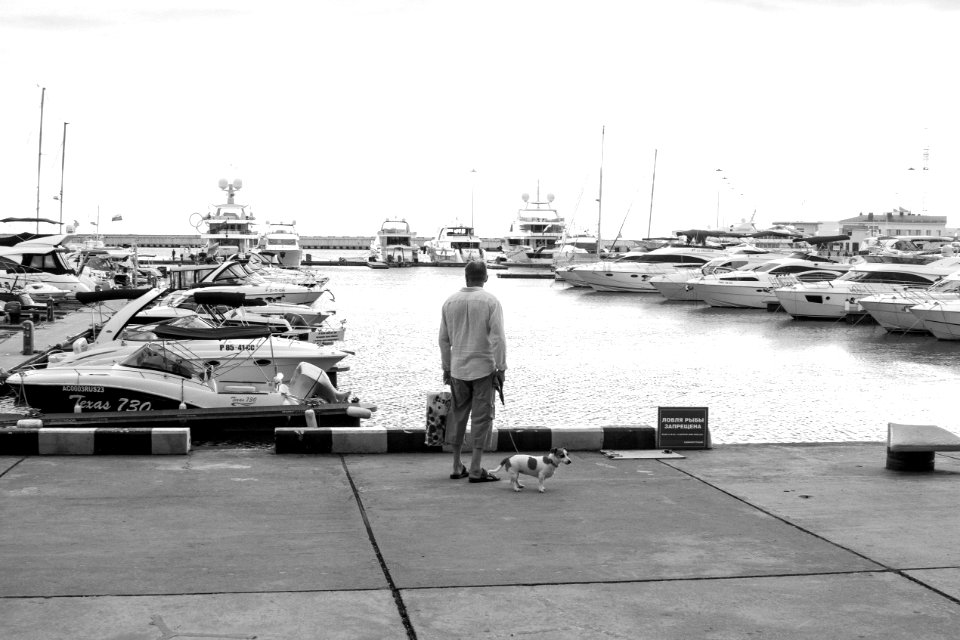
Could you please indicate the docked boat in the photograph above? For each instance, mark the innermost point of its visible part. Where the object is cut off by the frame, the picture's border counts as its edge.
(680, 285)
(233, 276)
(154, 377)
(632, 272)
(394, 245)
(939, 317)
(535, 233)
(454, 245)
(875, 275)
(752, 287)
(894, 311)
(235, 353)
(230, 227)
(281, 242)
(41, 260)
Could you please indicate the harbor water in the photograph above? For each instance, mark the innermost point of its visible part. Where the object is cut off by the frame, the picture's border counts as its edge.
(578, 357)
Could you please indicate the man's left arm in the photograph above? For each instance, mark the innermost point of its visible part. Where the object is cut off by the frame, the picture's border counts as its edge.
(498, 339)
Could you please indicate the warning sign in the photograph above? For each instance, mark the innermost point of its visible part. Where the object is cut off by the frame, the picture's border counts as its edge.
(682, 428)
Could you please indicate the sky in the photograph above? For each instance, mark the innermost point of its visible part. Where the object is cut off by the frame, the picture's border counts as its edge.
(339, 114)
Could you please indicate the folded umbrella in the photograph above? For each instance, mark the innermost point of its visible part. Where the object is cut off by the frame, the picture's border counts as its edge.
(498, 385)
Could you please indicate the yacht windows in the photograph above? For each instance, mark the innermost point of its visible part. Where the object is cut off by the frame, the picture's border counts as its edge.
(669, 258)
(886, 277)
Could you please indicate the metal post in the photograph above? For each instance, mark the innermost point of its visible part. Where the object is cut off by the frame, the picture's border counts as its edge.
(27, 337)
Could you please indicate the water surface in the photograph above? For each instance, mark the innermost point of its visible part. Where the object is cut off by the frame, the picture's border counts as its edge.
(578, 357)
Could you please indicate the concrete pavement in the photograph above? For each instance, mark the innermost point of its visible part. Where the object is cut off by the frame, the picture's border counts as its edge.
(782, 541)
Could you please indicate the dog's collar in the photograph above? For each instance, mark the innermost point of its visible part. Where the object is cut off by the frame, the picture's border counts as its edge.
(549, 460)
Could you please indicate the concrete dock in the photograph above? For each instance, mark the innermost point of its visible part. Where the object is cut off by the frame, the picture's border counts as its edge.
(753, 541)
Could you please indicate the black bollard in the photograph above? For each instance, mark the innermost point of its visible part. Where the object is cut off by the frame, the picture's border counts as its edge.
(50, 307)
(12, 309)
(28, 337)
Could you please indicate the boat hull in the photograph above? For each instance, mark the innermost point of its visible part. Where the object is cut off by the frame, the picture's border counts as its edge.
(739, 295)
(677, 287)
(943, 323)
(120, 388)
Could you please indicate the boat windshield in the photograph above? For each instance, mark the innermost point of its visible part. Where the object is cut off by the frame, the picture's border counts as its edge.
(156, 358)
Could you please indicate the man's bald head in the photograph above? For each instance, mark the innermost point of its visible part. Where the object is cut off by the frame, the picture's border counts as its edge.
(476, 273)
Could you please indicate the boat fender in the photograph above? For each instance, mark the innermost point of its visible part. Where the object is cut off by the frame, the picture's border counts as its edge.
(76, 408)
(29, 423)
(80, 345)
(311, 418)
(358, 412)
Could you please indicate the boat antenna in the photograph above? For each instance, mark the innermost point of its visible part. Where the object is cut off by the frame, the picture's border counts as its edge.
(603, 132)
(653, 181)
(63, 161)
(43, 91)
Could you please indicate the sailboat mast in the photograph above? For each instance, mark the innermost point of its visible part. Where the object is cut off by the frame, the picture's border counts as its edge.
(43, 91)
(63, 162)
(653, 181)
(603, 132)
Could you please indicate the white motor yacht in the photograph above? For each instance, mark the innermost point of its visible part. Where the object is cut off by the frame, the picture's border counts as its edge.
(155, 377)
(535, 233)
(394, 244)
(752, 287)
(232, 276)
(680, 285)
(939, 317)
(454, 245)
(281, 242)
(229, 226)
(632, 272)
(875, 275)
(893, 311)
(41, 260)
(235, 353)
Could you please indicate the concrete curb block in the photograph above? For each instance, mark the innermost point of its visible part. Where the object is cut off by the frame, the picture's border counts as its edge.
(52, 441)
(382, 440)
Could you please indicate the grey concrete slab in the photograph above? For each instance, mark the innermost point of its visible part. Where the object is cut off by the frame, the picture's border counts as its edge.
(838, 607)
(946, 581)
(845, 494)
(271, 616)
(599, 520)
(215, 521)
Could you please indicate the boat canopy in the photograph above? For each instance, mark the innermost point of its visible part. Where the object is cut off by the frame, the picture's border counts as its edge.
(226, 298)
(89, 297)
(218, 333)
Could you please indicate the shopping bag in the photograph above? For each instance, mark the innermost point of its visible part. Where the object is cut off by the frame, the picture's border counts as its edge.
(438, 410)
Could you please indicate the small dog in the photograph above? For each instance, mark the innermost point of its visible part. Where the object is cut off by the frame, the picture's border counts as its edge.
(540, 466)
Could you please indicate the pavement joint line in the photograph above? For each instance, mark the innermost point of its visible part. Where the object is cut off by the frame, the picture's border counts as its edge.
(803, 574)
(777, 517)
(11, 467)
(887, 568)
(397, 596)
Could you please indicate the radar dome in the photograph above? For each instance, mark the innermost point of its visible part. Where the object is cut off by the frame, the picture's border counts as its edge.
(223, 183)
(549, 197)
(525, 197)
(237, 183)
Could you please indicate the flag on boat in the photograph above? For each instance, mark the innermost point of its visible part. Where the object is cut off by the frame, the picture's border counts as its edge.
(116, 218)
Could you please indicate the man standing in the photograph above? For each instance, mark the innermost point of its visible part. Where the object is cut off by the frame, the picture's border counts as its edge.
(473, 352)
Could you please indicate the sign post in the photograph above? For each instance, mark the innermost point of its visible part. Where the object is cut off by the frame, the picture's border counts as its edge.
(682, 428)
